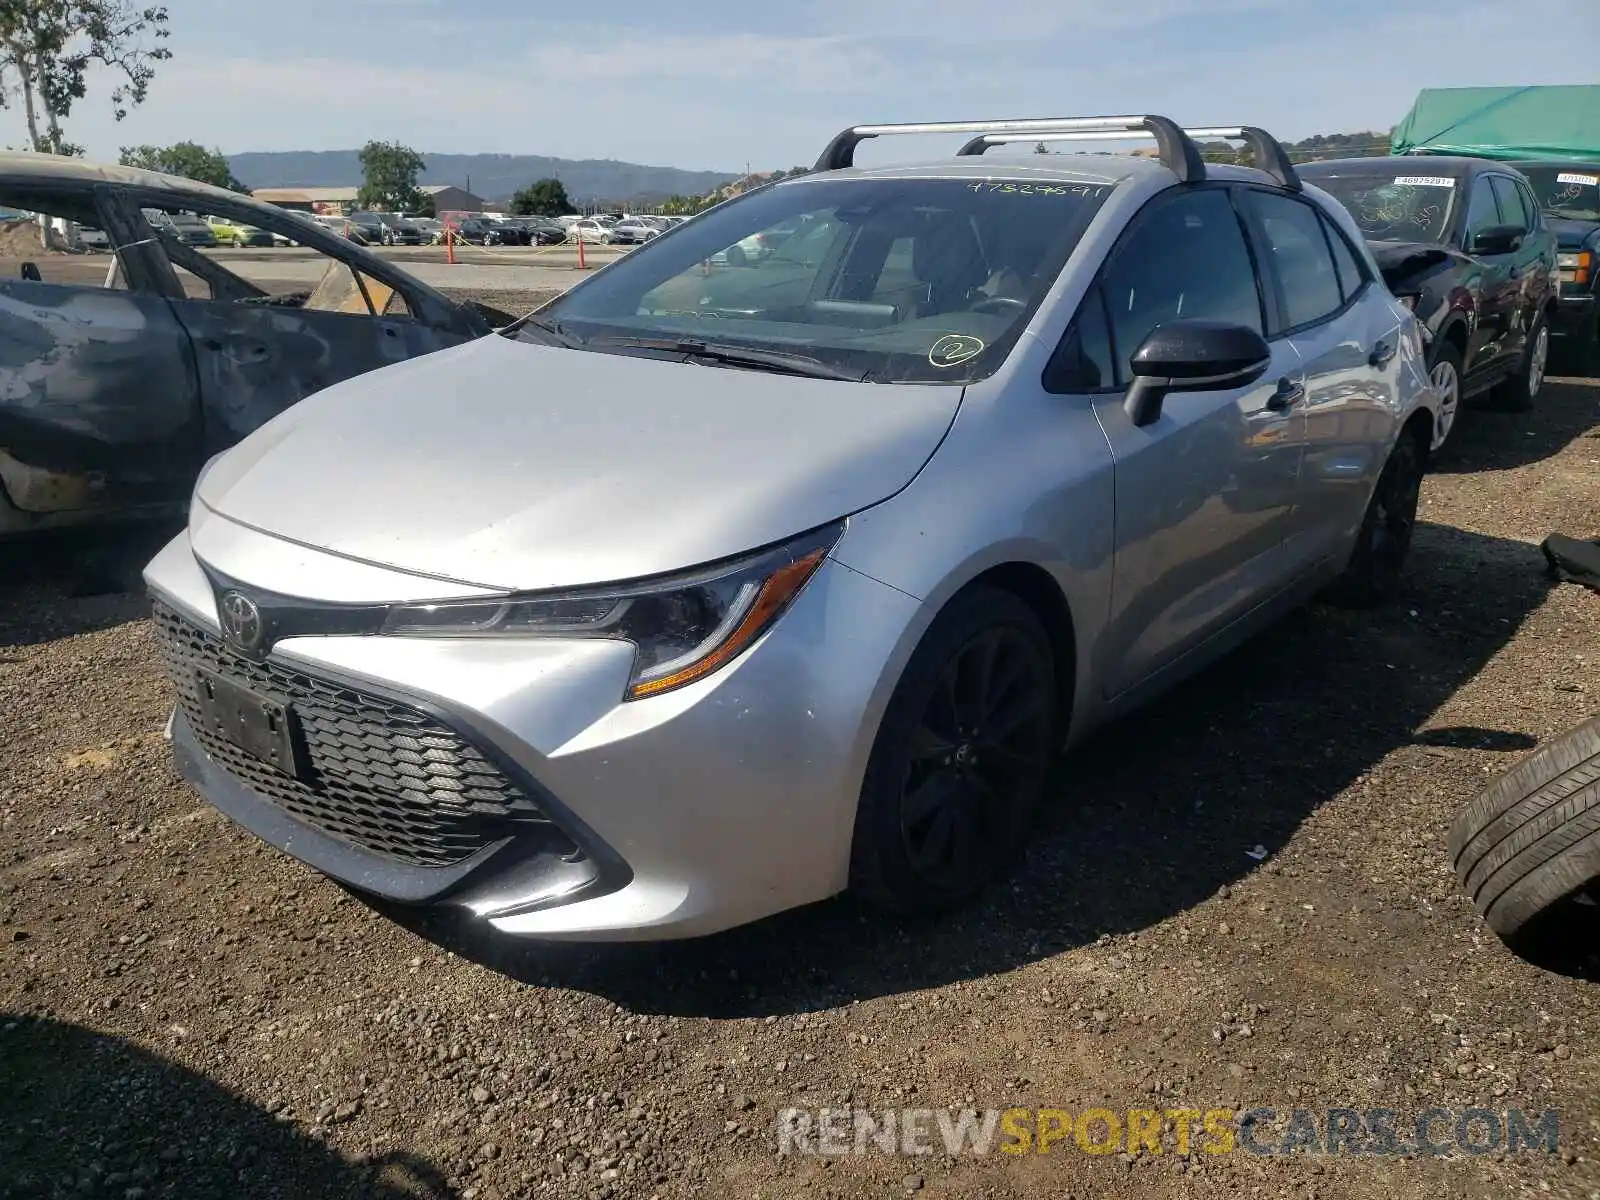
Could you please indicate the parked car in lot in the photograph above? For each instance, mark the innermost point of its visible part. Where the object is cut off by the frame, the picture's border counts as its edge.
(233, 233)
(633, 232)
(589, 230)
(476, 231)
(370, 225)
(399, 231)
(510, 231)
(1462, 241)
(431, 228)
(656, 613)
(118, 391)
(545, 231)
(1569, 195)
(344, 227)
(186, 227)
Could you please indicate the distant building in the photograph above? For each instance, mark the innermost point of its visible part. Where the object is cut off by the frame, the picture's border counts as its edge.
(338, 200)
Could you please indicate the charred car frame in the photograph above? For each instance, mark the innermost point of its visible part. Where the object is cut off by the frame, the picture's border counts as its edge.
(115, 391)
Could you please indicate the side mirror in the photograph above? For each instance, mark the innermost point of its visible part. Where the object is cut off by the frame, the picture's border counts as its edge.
(1192, 355)
(1497, 239)
(30, 272)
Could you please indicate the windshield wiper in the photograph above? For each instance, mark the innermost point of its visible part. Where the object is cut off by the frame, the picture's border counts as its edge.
(738, 356)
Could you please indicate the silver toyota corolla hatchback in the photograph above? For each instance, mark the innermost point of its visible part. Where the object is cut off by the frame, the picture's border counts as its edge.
(729, 581)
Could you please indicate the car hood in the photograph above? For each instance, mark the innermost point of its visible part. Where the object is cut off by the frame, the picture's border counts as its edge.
(1570, 232)
(518, 466)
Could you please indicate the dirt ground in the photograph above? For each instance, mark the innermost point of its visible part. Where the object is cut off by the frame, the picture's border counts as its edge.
(1240, 898)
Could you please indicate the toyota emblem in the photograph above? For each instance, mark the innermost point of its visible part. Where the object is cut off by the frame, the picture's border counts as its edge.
(241, 620)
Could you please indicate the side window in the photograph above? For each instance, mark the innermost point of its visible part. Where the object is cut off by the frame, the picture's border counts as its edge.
(55, 237)
(1531, 206)
(1352, 275)
(1481, 211)
(201, 246)
(1505, 191)
(1083, 362)
(1300, 257)
(1183, 257)
(898, 276)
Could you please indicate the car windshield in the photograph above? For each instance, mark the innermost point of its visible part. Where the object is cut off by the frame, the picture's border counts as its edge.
(890, 280)
(1394, 205)
(1567, 191)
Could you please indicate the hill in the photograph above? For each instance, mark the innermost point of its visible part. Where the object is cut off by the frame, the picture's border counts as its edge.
(492, 176)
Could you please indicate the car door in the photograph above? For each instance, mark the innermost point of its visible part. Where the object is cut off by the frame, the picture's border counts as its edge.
(1491, 341)
(1350, 353)
(1525, 262)
(307, 322)
(1205, 495)
(99, 392)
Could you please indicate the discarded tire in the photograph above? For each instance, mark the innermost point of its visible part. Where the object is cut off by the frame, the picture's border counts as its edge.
(1532, 838)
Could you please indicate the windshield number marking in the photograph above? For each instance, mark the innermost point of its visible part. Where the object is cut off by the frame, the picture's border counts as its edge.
(1585, 180)
(1036, 189)
(953, 349)
(1425, 181)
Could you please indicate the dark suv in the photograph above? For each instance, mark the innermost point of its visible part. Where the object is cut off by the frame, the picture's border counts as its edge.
(1569, 194)
(1463, 243)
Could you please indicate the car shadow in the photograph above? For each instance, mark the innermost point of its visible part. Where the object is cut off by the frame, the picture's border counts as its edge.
(57, 585)
(1151, 817)
(87, 1113)
(1487, 438)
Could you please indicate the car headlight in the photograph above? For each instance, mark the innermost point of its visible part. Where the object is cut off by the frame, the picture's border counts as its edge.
(683, 627)
(1574, 268)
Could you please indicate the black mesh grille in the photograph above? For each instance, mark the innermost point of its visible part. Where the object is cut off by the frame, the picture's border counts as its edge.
(383, 775)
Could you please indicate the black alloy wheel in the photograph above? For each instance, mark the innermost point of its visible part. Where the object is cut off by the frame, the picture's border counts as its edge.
(1376, 568)
(961, 757)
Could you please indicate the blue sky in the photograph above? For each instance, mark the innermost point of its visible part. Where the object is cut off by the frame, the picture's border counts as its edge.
(715, 83)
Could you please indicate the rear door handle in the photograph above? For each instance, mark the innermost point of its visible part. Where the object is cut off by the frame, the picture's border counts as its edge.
(1289, 394)
(1382, 353)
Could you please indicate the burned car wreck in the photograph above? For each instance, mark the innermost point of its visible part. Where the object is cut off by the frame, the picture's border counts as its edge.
(121, 373)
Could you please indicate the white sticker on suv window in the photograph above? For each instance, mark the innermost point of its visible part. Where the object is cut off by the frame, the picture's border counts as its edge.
(1425, 181)
(1588, 180)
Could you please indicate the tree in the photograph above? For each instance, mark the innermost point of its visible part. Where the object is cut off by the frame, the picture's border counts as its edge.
(49, 47)
(389, 177)
(188, 159)
(545, 198)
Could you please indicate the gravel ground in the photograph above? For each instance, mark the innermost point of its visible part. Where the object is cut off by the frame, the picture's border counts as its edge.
(1241, 899)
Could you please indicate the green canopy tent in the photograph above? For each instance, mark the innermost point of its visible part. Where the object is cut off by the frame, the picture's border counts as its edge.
(1503, 122)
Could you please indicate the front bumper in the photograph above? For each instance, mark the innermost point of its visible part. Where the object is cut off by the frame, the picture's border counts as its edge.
(698, 810)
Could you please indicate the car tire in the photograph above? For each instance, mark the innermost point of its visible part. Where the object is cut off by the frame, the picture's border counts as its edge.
(1444, 371)
(945, 806)
(1520, 391)
(1531, 839)
(1374, 572)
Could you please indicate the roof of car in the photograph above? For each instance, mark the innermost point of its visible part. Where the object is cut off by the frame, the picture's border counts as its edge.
(1104, 169)
(1569, 164)
(1456, 165)
(24, 166)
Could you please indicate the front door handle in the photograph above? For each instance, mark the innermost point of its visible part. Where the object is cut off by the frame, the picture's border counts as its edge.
(1289, 394)
(1382, 353)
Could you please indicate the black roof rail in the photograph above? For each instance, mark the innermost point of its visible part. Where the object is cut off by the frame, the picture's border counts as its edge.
(1270, 155)
(1178, 151)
